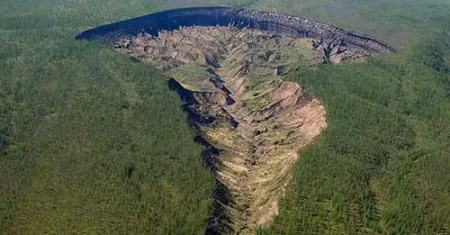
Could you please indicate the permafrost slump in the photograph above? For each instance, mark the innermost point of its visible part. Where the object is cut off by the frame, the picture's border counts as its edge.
(227, 65)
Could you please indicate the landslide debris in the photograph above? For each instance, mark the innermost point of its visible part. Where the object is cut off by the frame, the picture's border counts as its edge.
(251, 121)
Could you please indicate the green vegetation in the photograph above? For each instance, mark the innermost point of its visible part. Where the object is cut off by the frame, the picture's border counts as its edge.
(195, 74)
(382, 165)
(91, 143)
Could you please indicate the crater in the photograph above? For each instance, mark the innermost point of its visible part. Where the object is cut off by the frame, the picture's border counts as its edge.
(228, 65)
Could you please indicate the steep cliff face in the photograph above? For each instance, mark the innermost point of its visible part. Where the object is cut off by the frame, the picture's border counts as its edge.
(227, 65)
(280, 24)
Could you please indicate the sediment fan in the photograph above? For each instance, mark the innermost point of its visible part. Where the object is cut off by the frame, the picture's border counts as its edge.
(227, 65)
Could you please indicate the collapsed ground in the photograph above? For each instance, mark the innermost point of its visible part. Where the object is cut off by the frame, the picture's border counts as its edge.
(251, 121)
(79, 112)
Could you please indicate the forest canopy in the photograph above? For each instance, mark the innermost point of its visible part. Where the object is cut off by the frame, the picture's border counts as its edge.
(92, 143)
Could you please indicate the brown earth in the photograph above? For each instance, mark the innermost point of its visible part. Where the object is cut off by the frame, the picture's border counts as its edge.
(252, 122)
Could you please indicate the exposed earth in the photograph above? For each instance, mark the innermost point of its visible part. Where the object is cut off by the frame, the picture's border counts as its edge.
(250, 120)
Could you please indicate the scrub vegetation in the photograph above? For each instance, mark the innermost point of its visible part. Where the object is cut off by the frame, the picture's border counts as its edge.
(92, 143)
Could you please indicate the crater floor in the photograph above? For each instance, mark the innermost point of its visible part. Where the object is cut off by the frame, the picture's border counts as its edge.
(252, 122)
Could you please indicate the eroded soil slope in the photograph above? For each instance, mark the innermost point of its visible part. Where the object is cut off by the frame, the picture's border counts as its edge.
(252, 122)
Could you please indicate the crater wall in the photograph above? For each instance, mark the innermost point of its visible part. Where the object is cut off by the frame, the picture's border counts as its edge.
(280, 24)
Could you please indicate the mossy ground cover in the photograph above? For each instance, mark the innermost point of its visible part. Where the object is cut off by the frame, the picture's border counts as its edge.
(76, 118)
(193, 77)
